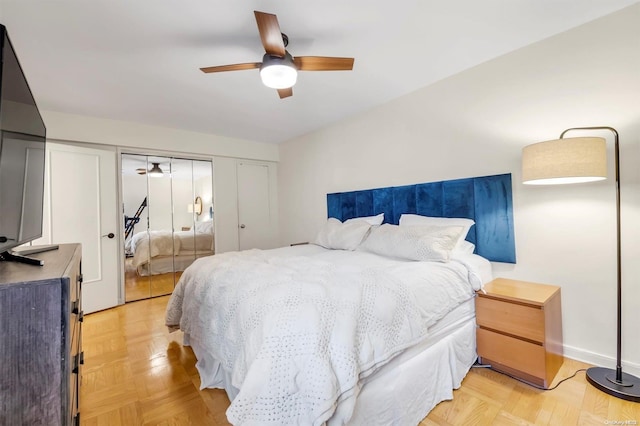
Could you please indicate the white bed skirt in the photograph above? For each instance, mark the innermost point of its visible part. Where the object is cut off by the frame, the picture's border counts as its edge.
(405, 394)
(401, 392)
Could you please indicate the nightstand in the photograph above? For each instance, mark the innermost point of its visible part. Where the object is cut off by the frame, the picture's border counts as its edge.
(520, 329)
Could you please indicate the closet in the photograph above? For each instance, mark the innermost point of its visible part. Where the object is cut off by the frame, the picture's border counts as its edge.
(246, 204)
(168, 217)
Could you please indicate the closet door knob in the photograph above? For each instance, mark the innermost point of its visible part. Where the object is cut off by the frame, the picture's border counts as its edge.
(110, 235)
(242, 226)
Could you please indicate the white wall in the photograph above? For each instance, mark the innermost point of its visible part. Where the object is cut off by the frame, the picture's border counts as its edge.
(162, 214)
(140, 137)
(182, 195)
(476, 123)
(78, 128)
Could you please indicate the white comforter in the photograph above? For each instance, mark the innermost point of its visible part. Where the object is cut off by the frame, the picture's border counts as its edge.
(147, 244)
(297, 333)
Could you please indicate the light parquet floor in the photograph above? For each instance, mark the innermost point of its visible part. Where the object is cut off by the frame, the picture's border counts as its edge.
(137, 287)
(136, 373)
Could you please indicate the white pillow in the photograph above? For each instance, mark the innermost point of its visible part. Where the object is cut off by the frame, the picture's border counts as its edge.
(414, 219)
(205, 227)
(343, 236)
(464, 247)
(371, 220)
(433, 243)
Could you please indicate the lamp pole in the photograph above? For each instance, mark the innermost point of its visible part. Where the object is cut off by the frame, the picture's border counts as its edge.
(621, 385)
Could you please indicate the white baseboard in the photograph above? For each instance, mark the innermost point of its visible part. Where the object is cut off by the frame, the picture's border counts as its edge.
(600, 360)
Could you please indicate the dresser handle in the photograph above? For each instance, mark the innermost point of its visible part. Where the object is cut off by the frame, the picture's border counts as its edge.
(78, 360)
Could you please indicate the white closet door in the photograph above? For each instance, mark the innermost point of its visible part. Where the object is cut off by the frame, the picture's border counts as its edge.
(254, 213)
(80, 207)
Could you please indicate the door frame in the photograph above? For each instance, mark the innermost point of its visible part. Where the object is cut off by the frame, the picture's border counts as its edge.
(46, 225)
(270, 236)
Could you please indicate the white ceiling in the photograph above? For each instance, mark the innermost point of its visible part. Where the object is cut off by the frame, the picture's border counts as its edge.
(138, 60)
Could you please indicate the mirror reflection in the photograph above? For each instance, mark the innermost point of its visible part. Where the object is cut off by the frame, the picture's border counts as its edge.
(168, 216)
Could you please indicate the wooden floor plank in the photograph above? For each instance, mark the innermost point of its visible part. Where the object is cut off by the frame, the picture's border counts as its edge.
(136, 373)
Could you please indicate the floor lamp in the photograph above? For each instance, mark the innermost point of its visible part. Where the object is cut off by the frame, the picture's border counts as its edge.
(574, 160)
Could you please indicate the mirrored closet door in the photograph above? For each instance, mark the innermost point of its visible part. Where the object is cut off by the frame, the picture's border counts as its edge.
(168, 217)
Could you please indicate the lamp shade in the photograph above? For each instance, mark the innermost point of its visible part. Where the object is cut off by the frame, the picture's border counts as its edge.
(569, 160)
(278, 73)
(155, 171)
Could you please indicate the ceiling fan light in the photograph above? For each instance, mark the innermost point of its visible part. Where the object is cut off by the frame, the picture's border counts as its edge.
(155, 171)
(278, 73)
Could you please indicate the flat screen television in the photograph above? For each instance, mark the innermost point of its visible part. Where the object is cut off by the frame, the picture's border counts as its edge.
(22, 154)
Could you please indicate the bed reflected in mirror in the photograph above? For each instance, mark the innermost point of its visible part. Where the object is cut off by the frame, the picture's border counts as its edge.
(168, 217)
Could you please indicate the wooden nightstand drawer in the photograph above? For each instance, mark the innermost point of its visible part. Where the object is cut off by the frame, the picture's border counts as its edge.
(520, 329)
(524, 356)
(518, 320)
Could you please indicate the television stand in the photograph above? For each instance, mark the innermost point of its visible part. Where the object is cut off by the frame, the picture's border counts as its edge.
(11, 257)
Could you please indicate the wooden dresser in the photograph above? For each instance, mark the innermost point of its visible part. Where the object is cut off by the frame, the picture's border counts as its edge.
(520, 329)
(40, 335)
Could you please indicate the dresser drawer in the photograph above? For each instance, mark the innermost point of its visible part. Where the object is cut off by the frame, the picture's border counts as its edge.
(518, 320)
(525, 356)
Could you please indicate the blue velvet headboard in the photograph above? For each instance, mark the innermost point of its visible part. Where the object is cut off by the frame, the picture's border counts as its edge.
(487, 200)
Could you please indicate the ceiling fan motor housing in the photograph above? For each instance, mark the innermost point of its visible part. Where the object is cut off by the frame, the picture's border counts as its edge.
(278, 72)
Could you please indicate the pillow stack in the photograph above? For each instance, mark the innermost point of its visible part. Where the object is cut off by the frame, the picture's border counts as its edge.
(418, 242)
(420, 238)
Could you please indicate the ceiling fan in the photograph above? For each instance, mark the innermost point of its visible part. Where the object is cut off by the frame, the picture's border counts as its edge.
(154, 171)
(279, 69)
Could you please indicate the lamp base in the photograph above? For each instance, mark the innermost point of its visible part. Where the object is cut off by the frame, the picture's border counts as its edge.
(605, 380)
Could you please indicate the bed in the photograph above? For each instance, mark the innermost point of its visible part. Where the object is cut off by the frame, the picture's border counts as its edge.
(158, 252)
(349, 330)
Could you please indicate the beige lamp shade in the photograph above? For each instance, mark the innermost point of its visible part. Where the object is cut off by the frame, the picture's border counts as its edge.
(570, 160)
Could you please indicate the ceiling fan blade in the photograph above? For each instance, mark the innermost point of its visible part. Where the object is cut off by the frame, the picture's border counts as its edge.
(285, 93)
(270, 33)
(234, 67)
(323, 63)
